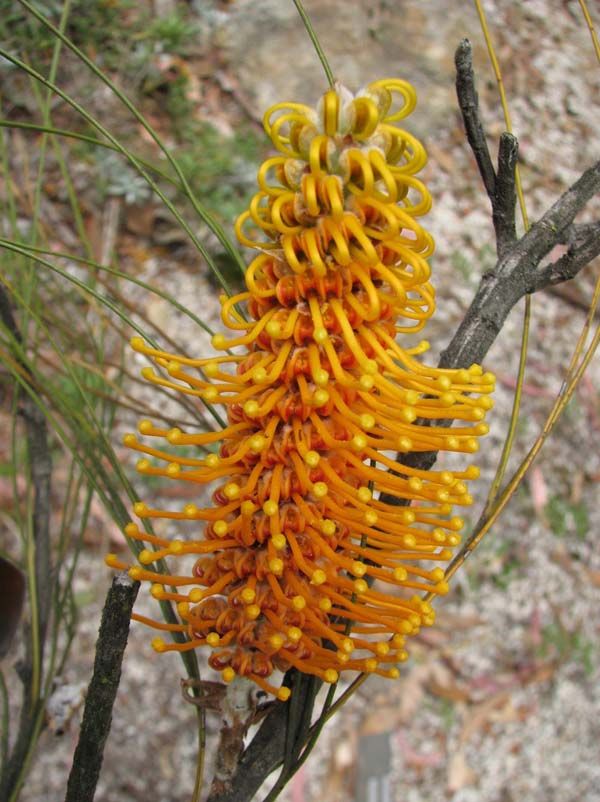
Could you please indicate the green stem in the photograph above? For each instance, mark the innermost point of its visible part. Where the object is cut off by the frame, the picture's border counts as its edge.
(315, 41)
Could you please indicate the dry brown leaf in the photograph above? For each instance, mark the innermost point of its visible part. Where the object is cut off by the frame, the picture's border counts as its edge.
(539, 490)
(460, 774)
(479, 715)
(593, 576)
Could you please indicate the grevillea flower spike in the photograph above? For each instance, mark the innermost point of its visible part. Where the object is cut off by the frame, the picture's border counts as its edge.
(300, 561)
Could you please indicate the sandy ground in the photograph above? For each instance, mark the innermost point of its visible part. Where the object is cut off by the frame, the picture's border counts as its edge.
(501, 701)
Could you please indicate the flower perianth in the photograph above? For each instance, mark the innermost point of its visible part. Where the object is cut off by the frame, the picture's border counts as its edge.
(300, 561)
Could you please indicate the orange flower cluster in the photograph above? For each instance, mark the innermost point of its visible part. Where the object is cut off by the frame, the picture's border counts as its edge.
(301, 561)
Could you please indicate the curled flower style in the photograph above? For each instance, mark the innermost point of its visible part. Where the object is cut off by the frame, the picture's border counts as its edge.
(301, 561)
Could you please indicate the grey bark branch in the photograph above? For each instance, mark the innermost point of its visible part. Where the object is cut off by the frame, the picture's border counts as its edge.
(469, 106)
(516, 273)
(102, 691)
(581, 251)
(500, 187)
(505, 196)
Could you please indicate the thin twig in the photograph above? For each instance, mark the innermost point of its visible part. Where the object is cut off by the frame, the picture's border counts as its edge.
(505, 196)
(469, 106)
(102, 691)
(500, 187)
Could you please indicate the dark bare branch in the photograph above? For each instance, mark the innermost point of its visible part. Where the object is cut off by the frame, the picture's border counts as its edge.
(97, 715)
(469, 106)
(580, 253)
(501, 187)
(505, 196)
(516, 274)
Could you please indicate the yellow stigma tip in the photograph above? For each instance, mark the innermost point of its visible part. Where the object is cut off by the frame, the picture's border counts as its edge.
(328, 527)
(257, 443)
(228, 674)
(137, 344)
(129, 440)
(220, 528)
(318, 577)
(298, 603)
(283, 694)
(270, 507)
(174, 436)
(248, 507)
(146, 557)
(312, 459)
(158, 644)
(319, 490)
(252, 612)
(325, 604)
(367, 421)
(320, 334)
(330, 675)
(358, 442)
(364, 495)
(112, 561)
(218, 341)
(279, 542)
(211, 370)
(294, 634)
(276, 641)
(248, 595)
(321, 377)
(276, 566)
(320, 397)
(251, 408)
(213, 639)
